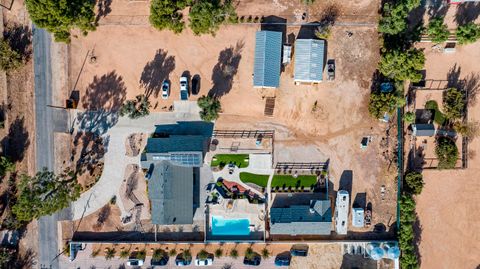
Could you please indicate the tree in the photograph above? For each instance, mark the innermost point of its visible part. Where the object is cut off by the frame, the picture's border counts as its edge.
(44, 194)
(453, 103)
(414, 182)
(467, 129)
(394, 16)
(381, 103)
(172, 252)
(234, 253)
(249, 253)
(124, 254)
(265, 253)
(437, 30)
(9, 58)
(165, 14)
(110, 253)
(210, 107)
(202, 255)
(447, 153)
(187, 255)
(59, 16)
(136, 108)
(468, 33)
(207, 16)
(402, 65)
(218, 252)
(409, 117)
(6, 166)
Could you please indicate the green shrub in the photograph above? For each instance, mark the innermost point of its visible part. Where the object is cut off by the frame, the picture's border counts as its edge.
(381, 103)
(438, 116)
(207, 16)
(210, 107)
(165, 15)
(402, 65)
(110, 253)
(124, 254)
(218, 252)
(265, 253)
(9, 58)
(172, 252)
(453, 103)
(203, 254)
(141, 255)
(468, 33)
(136, 108)
(414, 182)
(447, 153)
(409, 117)
(437, 30)
(234, 253)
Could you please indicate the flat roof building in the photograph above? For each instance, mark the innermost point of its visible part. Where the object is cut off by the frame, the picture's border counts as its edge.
(309, 57)
(341, 212)
(423, 129)
(268, 55)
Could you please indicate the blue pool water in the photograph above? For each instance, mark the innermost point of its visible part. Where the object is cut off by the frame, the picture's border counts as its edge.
(221, 226)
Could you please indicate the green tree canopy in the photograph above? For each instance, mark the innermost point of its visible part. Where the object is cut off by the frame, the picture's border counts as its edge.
(9, 58)
(44, 194)
(409, 117)
(394, 16)
(468, 33)
(207, 16)
(414, 182)
(381, 103)
(136, 108)
(210, 107)
(402, 65)
(60, 16)
(447, 153)
(6, 166)
(165, 14)
(437, 30)
(453, 103)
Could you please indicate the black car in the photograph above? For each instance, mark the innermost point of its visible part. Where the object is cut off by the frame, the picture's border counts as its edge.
(302, 252)
(159, 262)
(182, 262)
(195, 84)
(282, 260)
(255, 261)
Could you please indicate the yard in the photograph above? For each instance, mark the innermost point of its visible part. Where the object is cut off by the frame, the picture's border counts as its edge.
(239, 160)
(260, 180)
(279, 181)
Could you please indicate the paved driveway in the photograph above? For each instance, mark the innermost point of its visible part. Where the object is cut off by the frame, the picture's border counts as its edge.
(115, 158)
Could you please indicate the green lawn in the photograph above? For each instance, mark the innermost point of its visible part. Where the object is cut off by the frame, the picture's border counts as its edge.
(260, 180)
(279, 180)
(438, 116)
(290, 181)
(240, 160)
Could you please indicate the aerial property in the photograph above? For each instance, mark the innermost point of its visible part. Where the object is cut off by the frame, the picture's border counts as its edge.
(309, 60)
(268, 54)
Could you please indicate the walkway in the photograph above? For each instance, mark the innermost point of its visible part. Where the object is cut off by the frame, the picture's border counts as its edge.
(116, 160)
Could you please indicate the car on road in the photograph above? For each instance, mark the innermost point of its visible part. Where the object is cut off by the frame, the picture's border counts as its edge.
(195, 84)
(254, 261)
(331, 69)
(203, 262)
(134, 262)
(184, 88)
(282, 260)
(163, 261)
(182, 262)
(165, 89)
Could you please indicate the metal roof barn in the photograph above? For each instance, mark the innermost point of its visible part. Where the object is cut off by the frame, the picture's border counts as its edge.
(268, 55)
(309, 57)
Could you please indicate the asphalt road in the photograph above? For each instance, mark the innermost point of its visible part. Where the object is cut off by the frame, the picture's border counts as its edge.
(44, 120)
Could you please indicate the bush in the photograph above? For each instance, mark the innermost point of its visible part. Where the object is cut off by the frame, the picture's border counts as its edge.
(207, 16)
(447, 153)
(6, 166)
(59, 17)
(187, 255)
(437, 30)
(9, 58)
(265, 253)
(468, 33)
(381, 103)
(467, 129)
(414, 182)
(249, 254)
(453, 103)
(402, 65)
(141, 255)
(110, 253)
(210, 107)
(136, 108)
(234, 253)
(218, 252)
(165, 15)
(406, 235)
(409, 117)
(172, 252)
(202, 255)
(394, 16)
(124, 254)
(438, 116)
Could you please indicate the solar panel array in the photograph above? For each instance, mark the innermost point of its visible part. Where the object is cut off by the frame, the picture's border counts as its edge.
(183, 159)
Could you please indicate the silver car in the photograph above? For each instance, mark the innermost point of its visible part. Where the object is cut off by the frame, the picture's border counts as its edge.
(165, 89)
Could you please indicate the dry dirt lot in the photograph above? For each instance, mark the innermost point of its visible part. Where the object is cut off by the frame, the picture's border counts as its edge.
(134, 59)
(448, 205)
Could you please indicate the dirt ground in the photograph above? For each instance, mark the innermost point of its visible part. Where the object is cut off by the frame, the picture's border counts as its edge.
(447, 207)
(135, 143)
(126, 68)
(87, 158)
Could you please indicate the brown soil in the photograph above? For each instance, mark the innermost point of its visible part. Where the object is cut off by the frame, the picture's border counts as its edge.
(87, 158)
(135, 143)
(134, 192)
(106, 219)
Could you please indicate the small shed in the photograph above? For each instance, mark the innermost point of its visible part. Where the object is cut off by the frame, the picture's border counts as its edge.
(358, 216)
(268, 56)
(309, 57)
(423, 129)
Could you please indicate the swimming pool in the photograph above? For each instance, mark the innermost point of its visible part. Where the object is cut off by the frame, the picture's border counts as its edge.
(222, 226)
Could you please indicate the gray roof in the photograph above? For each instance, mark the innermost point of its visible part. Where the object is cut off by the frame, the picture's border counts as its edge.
(268, 54)
(170, 190)
(299, 220)
(424, 129)
(309, 57)
(175, 143)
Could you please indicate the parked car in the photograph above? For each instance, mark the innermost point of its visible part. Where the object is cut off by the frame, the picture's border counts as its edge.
(299, 251)
(182, 262)
(282, 260)
(255, 261)
(165, 89)
(159, 262)
(134, 262)
(195, 84)
(203, 262)
(184, 88)
(331, 69)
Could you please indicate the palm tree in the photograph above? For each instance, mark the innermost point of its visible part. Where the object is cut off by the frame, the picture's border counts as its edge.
(110, 253)
(172, 252)
(203, 254)
(249, 254)
(219, 252)
(234, 253)
(124, 254)
(265, 253)
(210, 107)
(187, 255)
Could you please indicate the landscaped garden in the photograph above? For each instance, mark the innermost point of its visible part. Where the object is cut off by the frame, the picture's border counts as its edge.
(221, 160)
(438, 116)
(280, 182)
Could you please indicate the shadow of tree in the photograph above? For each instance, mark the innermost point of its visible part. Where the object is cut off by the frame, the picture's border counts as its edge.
(437, 8)
(470, 84)
(93, 148)
(417, 230)
(467, 12)
(103, 8)
(17, 141)
(226, 69)
(20, 39)
(26, 260)
(156, 71)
